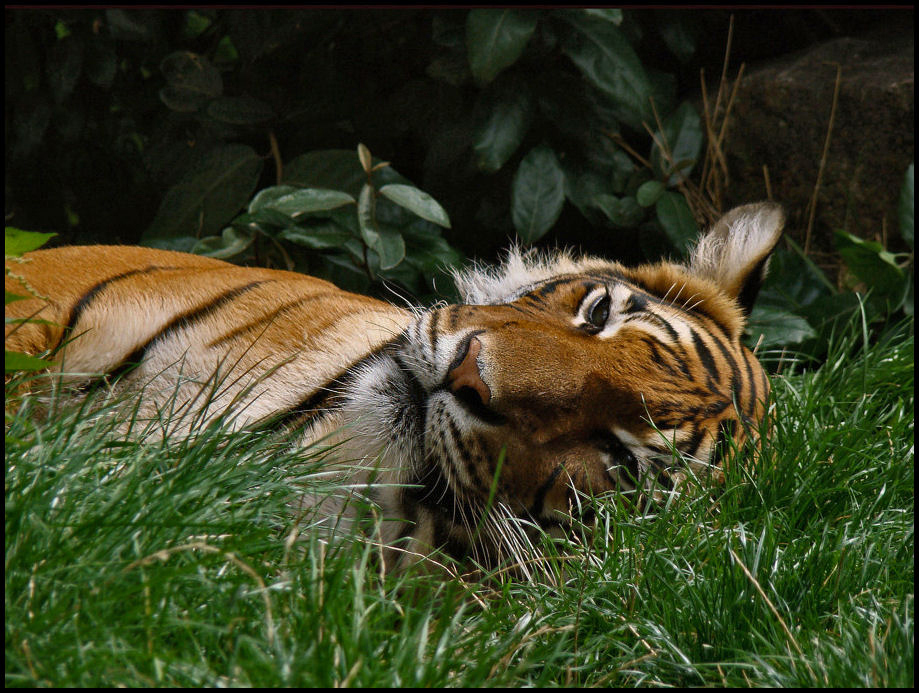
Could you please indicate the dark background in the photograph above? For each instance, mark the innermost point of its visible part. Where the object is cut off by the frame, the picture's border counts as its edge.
(92, 160)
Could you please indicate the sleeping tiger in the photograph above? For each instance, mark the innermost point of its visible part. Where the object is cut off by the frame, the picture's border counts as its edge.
(553, 378)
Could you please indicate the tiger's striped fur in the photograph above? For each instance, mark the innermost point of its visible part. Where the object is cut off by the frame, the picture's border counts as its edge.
(555, 376)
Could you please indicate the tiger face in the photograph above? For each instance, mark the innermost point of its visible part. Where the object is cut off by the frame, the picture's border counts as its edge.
(562, 378)
(586, 382)
(555, 378)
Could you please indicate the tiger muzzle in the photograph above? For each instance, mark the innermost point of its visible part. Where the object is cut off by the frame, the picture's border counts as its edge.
(464, 380)
(464, 371)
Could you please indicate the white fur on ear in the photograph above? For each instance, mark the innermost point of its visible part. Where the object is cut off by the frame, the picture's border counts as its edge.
(735, 252)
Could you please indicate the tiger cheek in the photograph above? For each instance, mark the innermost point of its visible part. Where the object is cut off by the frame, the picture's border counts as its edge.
(545, 479)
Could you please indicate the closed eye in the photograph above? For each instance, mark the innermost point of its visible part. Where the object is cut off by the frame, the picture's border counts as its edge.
(620, 453)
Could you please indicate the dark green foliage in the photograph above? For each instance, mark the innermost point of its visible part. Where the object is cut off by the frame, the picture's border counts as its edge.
(341, 215)
(799, 307)
(184, 128)
(160, 125)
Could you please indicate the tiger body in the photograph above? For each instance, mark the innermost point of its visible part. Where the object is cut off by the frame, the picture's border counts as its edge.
(554, 377)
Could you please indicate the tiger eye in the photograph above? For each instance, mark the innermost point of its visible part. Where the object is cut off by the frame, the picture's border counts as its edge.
(598, 313)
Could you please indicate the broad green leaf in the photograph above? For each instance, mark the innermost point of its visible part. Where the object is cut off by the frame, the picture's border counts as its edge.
(663, 91)
(263, 219)
(100, 65)
(613, 16)
(64, 65)
(677, 220)
(387, 243)
(61, 30)
(208, 196)
(365, 216)
(16, 241)
(829, 312)
(264, 197)
(390, 247)
(195, 24)
(793, 280)
(495, 39)
(778, 327)
(127, 25)
(392, 214)
(336, 169)
(622, 211)
(416, 201)
(623, 169)
(427, 249)
(346, 218)
(606, 59)
(183, 244)
(239, 110)
(422, 233)
(15, 361)
(191, 81)
(321, 236)
(905, 209)
(678, 29)
(496, 137)
(307, 200)
(225, 53)
(537, 194)
(358, 251)
(649, 192)
(872, 264)
(682, 136)
(582, 187)
(229, 243)
(345, 272)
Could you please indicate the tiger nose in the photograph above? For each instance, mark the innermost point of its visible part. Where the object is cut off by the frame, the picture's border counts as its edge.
(464, 371)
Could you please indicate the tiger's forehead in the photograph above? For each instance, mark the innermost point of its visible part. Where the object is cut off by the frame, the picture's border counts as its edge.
(564, 286)
(671, 315)
(576, 287)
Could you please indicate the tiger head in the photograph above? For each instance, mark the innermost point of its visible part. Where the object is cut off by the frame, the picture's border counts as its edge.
(559, 377)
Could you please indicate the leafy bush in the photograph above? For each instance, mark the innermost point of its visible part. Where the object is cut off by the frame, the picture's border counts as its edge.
(192, 129)
(558, 94)
(506, 115)
(800, 308)
(338, 214)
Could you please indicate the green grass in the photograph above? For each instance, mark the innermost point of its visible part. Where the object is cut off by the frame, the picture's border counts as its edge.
(175, 565)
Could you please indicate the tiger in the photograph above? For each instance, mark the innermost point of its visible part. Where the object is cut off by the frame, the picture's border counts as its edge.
(556, 377)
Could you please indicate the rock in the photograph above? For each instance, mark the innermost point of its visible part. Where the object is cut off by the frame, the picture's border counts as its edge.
(780, 120)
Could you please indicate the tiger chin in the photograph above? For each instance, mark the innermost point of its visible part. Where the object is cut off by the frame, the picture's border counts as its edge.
(554, 379)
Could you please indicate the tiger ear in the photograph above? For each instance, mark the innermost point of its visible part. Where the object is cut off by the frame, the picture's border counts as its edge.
(735, 252)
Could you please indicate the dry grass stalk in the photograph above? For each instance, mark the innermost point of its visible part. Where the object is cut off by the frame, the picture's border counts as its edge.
(812, 207)
(705, 199)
